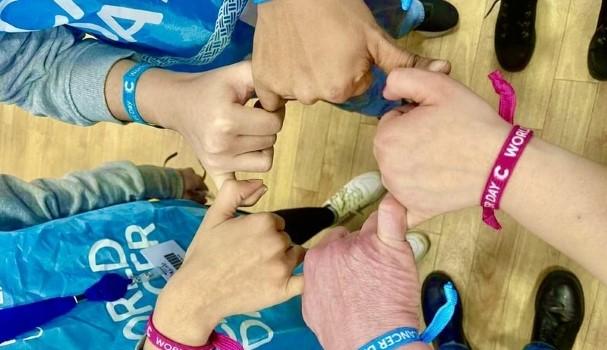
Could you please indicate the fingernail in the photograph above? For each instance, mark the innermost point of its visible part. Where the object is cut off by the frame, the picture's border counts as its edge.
(438, 65)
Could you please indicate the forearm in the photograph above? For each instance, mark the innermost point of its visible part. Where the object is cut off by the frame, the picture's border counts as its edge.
(157, 94)
(181, 318)
(55, 73)
(24, 204)
(562, 198)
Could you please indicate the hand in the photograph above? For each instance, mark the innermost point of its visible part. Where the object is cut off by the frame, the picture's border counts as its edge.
(209, 110)
(194, 187)
(233, 266)
(361, 285)
(435, 157)
(322, 50)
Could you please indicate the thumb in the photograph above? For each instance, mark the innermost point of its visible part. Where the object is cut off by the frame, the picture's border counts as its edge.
(294, 287)
(391, 222)
(232, 195)
(388, 57)
(220, 178)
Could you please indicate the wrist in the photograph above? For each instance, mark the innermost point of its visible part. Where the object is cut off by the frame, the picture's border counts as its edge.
(183, 316)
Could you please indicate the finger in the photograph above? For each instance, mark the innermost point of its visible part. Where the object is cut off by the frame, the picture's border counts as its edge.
(362, 85)
(220, 178)
(246, 144)
(388, 57)
(257, 162)
(296, 255)
(231, 196)
(422, 87)
(257, 121)
(294, 287)
(370, 225)
(270, 101)
(391, 222)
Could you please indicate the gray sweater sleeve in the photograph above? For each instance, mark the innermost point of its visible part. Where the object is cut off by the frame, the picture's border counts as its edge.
(57, 73)
(24, 204)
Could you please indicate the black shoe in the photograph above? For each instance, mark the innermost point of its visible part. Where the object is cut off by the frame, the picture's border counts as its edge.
(597, 53)
(440, 18)
(559, 310)
(433, 297)
(515, 33)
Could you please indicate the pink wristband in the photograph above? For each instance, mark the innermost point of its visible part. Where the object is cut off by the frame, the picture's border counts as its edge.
(217, 341)
(502, 171)
(509, 155)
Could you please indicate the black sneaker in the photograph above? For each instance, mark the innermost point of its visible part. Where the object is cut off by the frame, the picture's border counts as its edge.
(440, 18)
(515, 33)
(433, 297)
(597, 53)
(559, 310)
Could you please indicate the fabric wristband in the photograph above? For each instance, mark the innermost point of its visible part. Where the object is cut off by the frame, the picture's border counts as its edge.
(511, 151)
(401, 336)
(129, 89)
(504, 165)
(217, 341)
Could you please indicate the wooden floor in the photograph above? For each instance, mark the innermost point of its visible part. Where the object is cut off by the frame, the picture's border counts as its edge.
(320, 148)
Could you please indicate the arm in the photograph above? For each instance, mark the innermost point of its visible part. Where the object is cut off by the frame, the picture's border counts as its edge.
(56, 73)
(562, 198)
(24, 204)
(435, 158)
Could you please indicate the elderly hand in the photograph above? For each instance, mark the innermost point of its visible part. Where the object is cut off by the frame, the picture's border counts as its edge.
(361, 285)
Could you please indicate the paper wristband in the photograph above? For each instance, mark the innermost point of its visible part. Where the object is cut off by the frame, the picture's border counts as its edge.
(502, 170)
(129, 89)
(217, 341)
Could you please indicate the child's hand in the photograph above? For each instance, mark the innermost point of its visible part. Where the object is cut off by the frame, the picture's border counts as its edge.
(194, 187)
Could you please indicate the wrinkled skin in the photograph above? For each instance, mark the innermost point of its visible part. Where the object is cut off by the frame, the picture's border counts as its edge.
(360, 285)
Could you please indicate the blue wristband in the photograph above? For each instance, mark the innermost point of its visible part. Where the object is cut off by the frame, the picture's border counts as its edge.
(406, 335)
(129, 89)
(393, 339)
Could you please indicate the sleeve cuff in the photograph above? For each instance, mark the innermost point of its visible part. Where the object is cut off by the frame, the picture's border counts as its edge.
(87, 81)
(161, 183)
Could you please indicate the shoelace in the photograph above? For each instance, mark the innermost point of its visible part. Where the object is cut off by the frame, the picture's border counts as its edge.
(524, 25)
(345, 196)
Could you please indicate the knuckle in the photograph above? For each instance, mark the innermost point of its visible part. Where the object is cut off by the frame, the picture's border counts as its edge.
(224, 125)
(215, 145)
(337, 93)
(265, 220)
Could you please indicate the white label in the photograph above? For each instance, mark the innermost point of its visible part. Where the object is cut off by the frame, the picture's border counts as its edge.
(167, 257)
(1, 296)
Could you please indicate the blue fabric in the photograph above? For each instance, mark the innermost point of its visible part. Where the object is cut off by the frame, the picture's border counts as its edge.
(23, 318)
(539, 346)
(66, 256)
(110, 287)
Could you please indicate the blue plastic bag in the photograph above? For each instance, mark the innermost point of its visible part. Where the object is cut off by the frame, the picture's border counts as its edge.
(64, 257)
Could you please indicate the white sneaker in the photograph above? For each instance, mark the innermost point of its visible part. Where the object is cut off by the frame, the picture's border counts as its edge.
(419, 242)
(357, 194)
